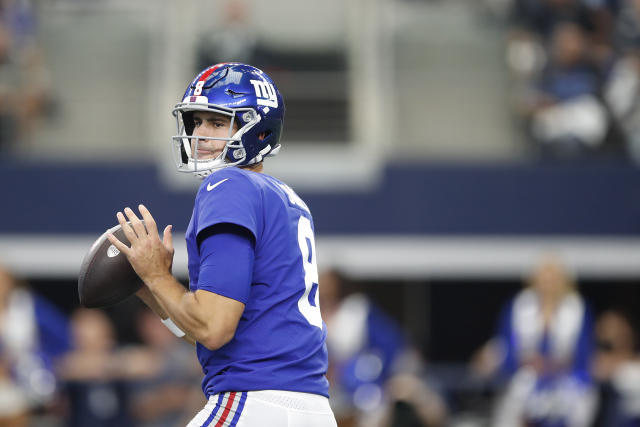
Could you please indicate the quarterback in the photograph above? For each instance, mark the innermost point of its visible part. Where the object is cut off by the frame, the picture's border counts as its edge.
(252, 308)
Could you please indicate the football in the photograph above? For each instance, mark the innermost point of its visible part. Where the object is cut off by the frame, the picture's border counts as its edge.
(106, 277)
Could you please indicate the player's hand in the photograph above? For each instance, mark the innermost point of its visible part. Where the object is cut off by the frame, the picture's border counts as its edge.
(150, 257)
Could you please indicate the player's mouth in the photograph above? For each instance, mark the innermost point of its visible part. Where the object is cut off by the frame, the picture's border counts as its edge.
(204, 154)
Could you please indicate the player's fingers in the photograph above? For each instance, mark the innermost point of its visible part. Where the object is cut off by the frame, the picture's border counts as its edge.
(118, 244)
(126, 227)
(149, 222)
(136, 224)
(167, 238)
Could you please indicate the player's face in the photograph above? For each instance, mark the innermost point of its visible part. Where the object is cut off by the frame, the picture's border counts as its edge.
(213, 125)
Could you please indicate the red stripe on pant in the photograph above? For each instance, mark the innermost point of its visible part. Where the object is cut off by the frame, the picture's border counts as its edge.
(227, 408)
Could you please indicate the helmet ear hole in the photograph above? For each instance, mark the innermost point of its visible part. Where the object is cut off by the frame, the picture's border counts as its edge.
(264, 135)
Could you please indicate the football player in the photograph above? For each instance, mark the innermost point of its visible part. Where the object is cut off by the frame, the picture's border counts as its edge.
(252, 307)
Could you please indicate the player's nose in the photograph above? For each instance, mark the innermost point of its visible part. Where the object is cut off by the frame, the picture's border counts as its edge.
(202, 130)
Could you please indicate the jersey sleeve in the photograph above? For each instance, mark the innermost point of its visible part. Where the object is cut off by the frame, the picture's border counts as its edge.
(226, 266)
(228, 198)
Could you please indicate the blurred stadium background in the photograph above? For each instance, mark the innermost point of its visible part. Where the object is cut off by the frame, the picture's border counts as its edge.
(414, 131)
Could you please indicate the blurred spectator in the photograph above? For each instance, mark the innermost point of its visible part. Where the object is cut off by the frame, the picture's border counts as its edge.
(374, 374)
(616, 367)
(622, 94)
(33, 334)
(626, 31)
(578, 89)
(541, 17)
(566, 114)
(622, 91)
(25, 84)
(172, 394)
(537, 20)
(233, 39)
(561, 54)
(542, 351)
(97, 372)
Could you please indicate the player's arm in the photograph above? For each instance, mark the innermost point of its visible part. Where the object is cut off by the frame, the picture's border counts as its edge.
(147, 297)
(224, 282)
(209, 318)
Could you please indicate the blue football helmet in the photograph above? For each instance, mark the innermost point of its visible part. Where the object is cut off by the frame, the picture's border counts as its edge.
(252, 101)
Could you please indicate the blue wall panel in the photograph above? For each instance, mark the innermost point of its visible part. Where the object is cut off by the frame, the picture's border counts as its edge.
(461, 200)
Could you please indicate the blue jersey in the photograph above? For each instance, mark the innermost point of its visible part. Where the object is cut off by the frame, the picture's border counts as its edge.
(279, 343)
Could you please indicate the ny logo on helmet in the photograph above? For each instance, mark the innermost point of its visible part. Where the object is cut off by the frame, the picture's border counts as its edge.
(266, 93)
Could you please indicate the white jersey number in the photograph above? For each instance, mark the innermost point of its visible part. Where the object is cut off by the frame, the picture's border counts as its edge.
(309, 309)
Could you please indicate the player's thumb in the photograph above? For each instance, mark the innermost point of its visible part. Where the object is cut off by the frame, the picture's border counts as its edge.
(167, 238)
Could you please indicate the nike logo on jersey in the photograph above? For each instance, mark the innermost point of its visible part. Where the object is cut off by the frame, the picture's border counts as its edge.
(212, 186)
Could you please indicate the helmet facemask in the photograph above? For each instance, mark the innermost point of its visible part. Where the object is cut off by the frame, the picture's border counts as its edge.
(185, 146)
